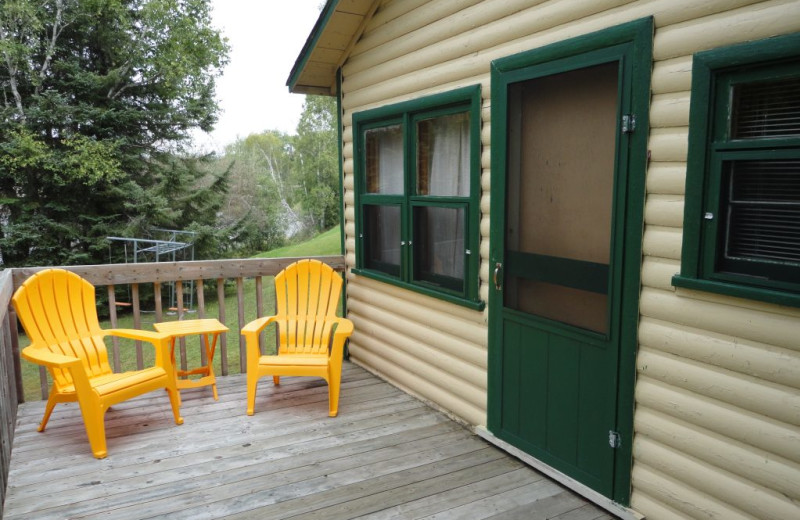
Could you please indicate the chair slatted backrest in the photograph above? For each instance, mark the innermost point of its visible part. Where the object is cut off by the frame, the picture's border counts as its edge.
(57, 309)
(307, 292)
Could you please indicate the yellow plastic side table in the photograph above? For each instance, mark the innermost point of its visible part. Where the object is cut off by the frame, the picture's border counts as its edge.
(210, 330)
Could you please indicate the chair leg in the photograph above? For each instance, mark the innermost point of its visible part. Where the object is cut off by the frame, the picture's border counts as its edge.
(276, 380)
(252, 385)
(175, 401)
(51, 403)
(94, 422)
(334, 383)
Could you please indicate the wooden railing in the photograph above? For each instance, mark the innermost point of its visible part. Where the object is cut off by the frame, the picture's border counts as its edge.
(10, 379)
(180, 279)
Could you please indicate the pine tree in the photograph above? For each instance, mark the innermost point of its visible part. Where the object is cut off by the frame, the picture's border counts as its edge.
(99, 97)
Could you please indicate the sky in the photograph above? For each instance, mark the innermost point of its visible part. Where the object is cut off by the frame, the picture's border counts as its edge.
(266, 37)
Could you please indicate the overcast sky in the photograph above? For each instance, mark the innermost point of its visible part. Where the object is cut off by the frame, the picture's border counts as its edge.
(266, 37)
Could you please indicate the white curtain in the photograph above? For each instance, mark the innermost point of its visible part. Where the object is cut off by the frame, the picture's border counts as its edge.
(445, 241)
(384, 238)
(390, 234)
(390, 159)
(449, 171)
(449, 156)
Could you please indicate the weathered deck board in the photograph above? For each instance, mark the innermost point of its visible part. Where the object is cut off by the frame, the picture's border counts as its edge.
(387, 455)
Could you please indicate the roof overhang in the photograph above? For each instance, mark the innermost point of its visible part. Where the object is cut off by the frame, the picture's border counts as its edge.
(339, 26)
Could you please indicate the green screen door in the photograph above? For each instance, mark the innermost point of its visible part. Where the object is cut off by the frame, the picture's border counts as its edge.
(559, 223)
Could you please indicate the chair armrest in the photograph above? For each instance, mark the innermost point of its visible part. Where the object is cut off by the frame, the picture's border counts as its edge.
(144, 335)
(44, 357)
(250, 333)
(159, 340)
(257, 325)
(75, 366)
(344, 328)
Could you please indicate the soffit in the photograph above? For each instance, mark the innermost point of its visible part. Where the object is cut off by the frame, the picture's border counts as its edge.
(340, 24)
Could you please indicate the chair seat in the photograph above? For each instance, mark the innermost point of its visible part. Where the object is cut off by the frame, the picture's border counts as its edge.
(306, 360)
(111, 383)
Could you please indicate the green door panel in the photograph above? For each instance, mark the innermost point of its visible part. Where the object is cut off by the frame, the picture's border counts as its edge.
(558, 399)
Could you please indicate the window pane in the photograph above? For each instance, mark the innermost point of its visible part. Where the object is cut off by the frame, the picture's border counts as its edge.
(560, 195)
(439, 246)
(382, 238)
(443, 156)
(766, 109)
(385, 160)
(764, 210)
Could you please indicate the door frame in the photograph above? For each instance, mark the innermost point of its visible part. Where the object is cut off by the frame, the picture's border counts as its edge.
(639, 36)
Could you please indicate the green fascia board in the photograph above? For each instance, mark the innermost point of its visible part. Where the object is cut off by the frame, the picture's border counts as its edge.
(311, 42)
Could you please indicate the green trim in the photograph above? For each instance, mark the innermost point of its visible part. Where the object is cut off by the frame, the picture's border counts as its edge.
(406, 114)
(578, 274)
(737, 290)
(435, 293)
(632, 43)
(339, 127)
(641, 33)
(429, 103)
(311, 43)
(713, 72)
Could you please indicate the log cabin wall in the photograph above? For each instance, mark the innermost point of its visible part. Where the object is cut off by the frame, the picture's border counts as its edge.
(717, 420)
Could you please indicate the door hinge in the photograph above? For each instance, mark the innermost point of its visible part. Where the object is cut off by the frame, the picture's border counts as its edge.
(628, 123)
(614, 439)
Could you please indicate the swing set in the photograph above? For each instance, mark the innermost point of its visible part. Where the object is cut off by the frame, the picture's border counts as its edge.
(169, 249)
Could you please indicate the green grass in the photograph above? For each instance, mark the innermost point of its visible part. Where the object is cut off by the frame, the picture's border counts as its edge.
(327, 243)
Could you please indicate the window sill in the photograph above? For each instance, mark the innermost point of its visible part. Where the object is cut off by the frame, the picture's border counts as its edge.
(451, 298)
(737, 290)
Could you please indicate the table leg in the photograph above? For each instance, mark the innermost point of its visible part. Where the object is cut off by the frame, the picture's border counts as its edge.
(210, 360)
(174, 367)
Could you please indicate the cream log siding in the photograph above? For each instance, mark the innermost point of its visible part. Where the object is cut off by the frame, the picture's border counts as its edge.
(717, 416)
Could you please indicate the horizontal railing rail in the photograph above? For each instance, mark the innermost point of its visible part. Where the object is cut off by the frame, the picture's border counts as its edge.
(182, 282)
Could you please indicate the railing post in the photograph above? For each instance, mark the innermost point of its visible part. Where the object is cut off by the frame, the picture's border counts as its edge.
(112, 314)
(260, 311)
(13, 337)
(223, 340)
(179, 308)
(10, 378)
(240, 301)
(201, 313)
(137, 324)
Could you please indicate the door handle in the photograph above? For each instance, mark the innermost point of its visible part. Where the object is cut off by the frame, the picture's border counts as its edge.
(498, 269)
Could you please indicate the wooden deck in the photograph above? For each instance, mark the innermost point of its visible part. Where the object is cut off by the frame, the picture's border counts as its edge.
(387, 455)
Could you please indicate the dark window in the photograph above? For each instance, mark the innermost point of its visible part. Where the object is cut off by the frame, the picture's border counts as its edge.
(742, 226)
(382, 240)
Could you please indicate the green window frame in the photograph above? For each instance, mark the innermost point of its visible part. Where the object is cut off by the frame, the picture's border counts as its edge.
(741, 232)
(416, 227)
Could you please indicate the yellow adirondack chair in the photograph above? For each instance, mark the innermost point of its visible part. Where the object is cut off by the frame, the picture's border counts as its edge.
(311, 336)
(57, 310)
